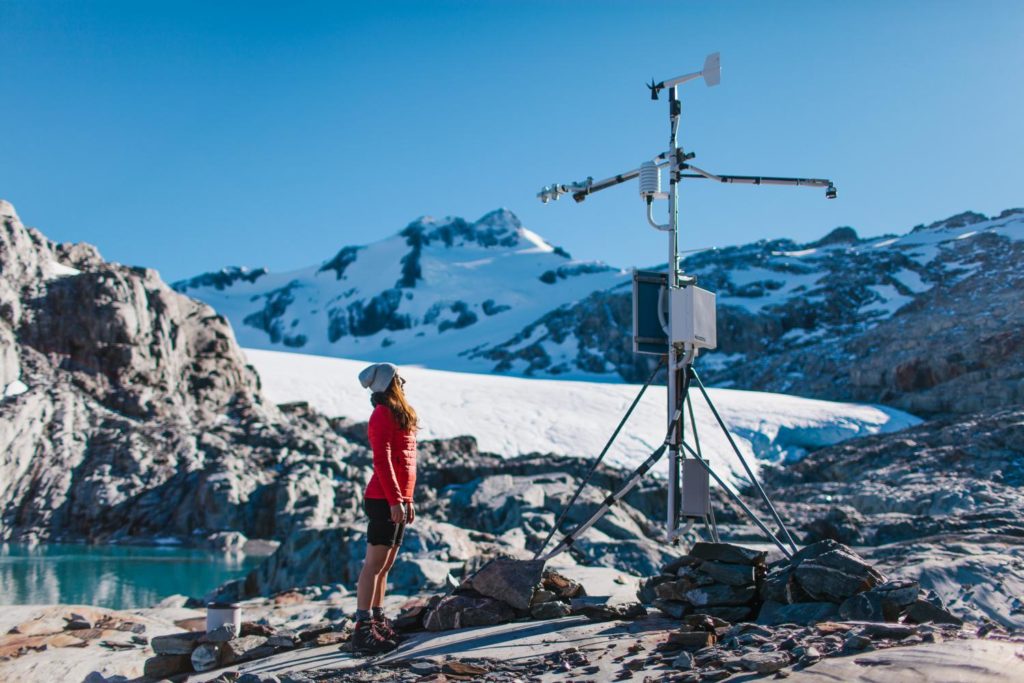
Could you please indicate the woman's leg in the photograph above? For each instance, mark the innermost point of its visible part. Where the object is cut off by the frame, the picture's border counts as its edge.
(382, 577)
(376, 557)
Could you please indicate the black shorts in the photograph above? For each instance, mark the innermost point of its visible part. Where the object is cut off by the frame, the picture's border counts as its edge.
(380, 530)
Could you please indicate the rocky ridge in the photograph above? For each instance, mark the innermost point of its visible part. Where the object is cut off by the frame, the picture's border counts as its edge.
(128, 411)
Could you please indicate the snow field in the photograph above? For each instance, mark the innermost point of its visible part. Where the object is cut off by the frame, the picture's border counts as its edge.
(511, 415)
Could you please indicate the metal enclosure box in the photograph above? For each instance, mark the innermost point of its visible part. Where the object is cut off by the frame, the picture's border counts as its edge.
(696, 489)
(648, 335)
(693, 317)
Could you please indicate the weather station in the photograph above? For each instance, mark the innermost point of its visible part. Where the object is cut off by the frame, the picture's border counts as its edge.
(674, 319)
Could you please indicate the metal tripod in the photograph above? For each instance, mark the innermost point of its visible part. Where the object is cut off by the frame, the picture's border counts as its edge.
(688, 377)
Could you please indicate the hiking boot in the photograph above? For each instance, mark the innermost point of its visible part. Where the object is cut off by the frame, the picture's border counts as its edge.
(386, 628)
(367, 639)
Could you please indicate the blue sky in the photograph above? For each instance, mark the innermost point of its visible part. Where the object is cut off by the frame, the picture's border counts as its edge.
(189, 136)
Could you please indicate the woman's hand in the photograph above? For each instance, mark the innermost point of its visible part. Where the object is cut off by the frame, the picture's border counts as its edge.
(410, 513)
(398, 513)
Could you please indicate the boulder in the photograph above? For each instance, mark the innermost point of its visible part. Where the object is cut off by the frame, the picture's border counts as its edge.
(883, 603)
(727, 552)
(510, 581)
(922, 611)
(461, 611)
(176, 643)
(165, 666)
(836, 575)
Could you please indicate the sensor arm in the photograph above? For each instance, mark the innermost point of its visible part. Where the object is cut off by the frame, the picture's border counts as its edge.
(758, 180)
(580, 190)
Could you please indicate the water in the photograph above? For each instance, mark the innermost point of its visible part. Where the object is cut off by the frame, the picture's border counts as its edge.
(118, 577)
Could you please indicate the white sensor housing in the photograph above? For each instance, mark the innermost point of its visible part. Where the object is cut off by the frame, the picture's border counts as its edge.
(693, 317)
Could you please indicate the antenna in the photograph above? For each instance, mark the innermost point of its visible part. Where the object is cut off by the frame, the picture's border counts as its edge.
(678, 318)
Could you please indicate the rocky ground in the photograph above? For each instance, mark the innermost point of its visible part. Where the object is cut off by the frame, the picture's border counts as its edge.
(128, 412)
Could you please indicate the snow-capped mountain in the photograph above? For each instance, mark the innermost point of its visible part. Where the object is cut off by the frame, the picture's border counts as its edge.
(438, 293)
(841, 317)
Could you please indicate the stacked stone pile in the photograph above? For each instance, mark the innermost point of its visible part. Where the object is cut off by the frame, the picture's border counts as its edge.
(827, 580)
(716, 579)
(823, 581)
(198, 651)
(505, 589)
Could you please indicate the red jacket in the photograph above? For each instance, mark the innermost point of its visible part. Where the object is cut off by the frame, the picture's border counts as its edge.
(394, 458)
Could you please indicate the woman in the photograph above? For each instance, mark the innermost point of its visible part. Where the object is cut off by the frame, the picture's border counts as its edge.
(387, 501)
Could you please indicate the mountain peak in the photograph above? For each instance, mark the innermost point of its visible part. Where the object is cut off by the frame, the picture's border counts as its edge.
(7, 209)
(498, 228)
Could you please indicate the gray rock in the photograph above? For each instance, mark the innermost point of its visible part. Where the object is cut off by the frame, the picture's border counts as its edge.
(780, 585)
(854, 641)
(243, 649)
(462, 611)
(542, 595)
(673, 609)
(510, 581)
(836, 575)
(802, 613)
(727, 552)
(923, 612)
(731, 574)
(684, 662)
(285, 639)
(176, 643)
(720, 594)
(165, 666)
(206, 656)
(550, 610)
(221, 634)
(764, 662)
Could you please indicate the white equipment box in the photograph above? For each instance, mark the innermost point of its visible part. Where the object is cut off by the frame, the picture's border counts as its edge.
(693, 317)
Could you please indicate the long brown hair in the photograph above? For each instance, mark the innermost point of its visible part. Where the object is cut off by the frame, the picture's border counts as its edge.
(394, 398)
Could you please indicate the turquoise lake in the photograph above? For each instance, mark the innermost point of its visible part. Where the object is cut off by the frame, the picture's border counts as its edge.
(118, 577)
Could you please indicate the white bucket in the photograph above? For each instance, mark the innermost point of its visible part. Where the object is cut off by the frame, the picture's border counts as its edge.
(220, 613)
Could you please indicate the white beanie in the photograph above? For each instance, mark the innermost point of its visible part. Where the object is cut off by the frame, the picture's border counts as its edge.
(378, 376)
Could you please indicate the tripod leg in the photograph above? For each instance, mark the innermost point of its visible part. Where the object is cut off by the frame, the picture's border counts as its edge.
(739, 501)
(614, 498)
(743, 461)
(593, 468)
(714, 525)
